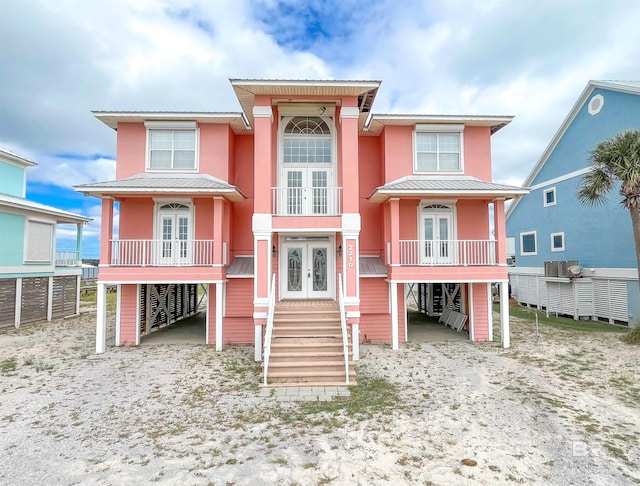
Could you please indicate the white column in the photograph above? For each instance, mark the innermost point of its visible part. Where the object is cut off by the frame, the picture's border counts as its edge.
(471, 314)
(393, 287)
(50, 299)
(219, 315)
(101, 317)
(258, 342)
(118, 315)
(18, 314)
(78, 284)
(504, 314)
(490, 311)
(355, 341)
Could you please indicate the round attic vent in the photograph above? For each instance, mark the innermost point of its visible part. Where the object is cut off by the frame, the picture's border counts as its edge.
(595, 104)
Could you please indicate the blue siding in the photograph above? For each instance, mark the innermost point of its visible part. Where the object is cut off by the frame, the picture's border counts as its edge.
(11, 240)
(621, 111)
(599, 237)
(12, 179)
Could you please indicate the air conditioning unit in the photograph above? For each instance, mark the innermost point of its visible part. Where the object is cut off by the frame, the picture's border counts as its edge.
(563, 266)
(550, 269)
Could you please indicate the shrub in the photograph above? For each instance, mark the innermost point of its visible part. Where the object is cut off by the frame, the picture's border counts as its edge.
(633, 336)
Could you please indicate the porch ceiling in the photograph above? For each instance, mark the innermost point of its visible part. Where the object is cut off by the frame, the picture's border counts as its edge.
(147, 183)
(453, 186)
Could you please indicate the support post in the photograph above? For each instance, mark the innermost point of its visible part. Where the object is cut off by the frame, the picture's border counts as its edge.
(258, 342)
(219, 315)
(504, 315)
(393, 287)
(101, 318)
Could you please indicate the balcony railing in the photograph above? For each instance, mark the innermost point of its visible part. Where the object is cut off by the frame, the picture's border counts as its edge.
(306, 201)
(161, 253)
(448, 252)
(68, 259)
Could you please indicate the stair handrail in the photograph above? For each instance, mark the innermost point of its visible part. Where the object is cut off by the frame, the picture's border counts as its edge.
(269, 331)
(343, 323)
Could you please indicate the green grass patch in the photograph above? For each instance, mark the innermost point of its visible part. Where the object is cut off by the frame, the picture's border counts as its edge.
(560, 322)
(8, 365)
(371, 396)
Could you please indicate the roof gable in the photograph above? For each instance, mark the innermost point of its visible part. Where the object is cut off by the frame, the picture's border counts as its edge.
(571, 154)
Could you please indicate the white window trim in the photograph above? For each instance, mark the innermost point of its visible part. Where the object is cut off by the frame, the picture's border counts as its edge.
(52, 242)
(535, 240)
(172, 126)
(332, 167)
(544, 197)
(424, 128)
(554, 235)
(157, 213)
(453, 212)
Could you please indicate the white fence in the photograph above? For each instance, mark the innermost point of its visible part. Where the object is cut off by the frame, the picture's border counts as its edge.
(592, 297)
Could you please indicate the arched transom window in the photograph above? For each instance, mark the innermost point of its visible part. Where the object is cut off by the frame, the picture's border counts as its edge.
(307, 140)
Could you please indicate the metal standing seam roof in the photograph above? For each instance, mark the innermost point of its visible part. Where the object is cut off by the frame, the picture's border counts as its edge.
(241, 266)
(454, 186)
(372, 266)
(201, 183)
(61, 216)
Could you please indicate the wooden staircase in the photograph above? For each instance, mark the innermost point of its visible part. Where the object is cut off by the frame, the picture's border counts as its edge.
(306, 345)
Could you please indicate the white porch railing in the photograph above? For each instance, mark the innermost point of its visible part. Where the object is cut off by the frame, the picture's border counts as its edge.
(161, 253)
(447, 252)
(306, 201)
(269, 331)
(343, 324)
(68, 259)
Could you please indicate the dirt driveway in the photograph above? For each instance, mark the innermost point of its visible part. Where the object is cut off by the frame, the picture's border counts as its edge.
(563, 408)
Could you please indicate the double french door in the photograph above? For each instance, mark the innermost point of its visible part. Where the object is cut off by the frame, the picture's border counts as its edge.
(307, 192)
(437, 244)
(174, 245)
(306, 270)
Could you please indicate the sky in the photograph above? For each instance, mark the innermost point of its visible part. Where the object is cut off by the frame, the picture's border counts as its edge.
(62, 59)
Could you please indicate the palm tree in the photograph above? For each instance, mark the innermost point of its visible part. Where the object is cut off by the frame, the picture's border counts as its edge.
(616, 160)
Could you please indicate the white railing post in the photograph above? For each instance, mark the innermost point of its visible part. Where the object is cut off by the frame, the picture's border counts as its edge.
(257, 339)
(269, 332)
(343, 324)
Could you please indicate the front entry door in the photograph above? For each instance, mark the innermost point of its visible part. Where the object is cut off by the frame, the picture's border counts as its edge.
(437, 236)
(306, 270)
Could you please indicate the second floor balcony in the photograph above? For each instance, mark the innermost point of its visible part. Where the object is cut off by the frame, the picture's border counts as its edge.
(447, 252)
(161, 253)
(306, 201)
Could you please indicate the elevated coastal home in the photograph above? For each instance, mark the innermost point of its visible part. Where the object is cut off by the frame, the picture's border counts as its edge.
(306, 210)
(37, 282)
(551, 230)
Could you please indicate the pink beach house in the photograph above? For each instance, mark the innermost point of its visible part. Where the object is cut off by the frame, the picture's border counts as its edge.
(306, 223)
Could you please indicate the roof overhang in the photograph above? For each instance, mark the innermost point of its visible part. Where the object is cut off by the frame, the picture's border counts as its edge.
(15, 159)
(442, 187)
(303, 90)
(13, 203)
(236, 120)
(147, 184)
(376, 122)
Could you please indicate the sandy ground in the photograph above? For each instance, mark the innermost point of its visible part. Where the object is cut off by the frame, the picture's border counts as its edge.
(560, 409)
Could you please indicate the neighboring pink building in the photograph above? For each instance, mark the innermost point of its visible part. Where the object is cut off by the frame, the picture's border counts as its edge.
(305, 184)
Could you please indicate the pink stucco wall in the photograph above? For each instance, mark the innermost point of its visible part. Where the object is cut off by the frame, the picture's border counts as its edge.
(130, 149)
(477, 152)
(136, 218)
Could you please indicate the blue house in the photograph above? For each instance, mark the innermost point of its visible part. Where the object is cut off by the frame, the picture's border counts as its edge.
(549, 229)
(37, 283)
